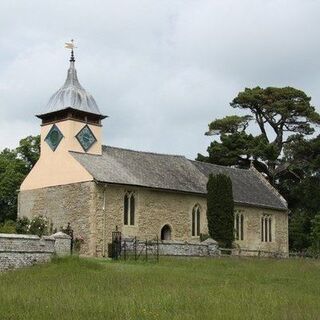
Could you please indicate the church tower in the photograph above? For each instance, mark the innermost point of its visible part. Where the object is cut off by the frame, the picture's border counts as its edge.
(72, 122)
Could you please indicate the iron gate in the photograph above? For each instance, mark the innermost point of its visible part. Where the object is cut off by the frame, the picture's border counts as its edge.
(116, 245)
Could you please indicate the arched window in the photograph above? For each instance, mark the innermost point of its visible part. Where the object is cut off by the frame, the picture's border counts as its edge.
(166, 232)
(129, 209)
(196, 221)
(266, 228)
(126, 209)
(239, 225)
(132, 209)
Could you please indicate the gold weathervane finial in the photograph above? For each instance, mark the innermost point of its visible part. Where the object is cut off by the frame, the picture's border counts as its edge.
(70, 45)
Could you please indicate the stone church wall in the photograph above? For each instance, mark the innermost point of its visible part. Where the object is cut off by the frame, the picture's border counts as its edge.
(252, 230)
(72, 203)
(96, 210)
(154, 209)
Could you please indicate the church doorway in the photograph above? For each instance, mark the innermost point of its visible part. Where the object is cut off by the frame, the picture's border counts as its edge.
(166, 232)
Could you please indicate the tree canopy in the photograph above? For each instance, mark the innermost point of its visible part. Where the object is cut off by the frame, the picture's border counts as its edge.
(14, 166)
(281, 115)
(277, 137)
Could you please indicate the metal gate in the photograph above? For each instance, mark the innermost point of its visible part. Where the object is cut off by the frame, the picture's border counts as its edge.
(116, 245)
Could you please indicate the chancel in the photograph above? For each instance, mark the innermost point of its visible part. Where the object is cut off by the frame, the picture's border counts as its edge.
(98, 188)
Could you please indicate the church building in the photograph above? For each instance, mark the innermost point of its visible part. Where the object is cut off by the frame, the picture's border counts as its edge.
(98, 188)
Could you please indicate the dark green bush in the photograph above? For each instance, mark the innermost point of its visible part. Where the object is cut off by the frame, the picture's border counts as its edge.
(220, 209)
(22, 225)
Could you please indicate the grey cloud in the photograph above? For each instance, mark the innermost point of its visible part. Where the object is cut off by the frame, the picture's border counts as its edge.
(162, 70)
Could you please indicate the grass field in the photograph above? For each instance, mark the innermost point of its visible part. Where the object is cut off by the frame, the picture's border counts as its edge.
(228, 288)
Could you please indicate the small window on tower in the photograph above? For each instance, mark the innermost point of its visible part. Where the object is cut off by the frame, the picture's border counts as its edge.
(54, 137)
(86, 138)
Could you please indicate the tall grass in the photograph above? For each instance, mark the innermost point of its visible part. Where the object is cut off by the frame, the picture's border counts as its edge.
(74, 288)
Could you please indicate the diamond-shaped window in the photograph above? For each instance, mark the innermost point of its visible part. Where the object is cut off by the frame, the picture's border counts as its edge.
(54, 137)
(86, 138)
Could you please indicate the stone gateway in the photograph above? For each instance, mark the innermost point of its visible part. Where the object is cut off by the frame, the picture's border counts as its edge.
(99, 188)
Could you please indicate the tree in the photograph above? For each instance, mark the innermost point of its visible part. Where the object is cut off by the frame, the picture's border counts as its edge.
(220, 209)
(29, 150)
(315, 233)
(14, 166)
(280, 114)
(12, 173)
(299, 230)
(283, 148)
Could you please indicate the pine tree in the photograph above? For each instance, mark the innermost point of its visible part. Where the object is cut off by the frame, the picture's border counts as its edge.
(220, 209)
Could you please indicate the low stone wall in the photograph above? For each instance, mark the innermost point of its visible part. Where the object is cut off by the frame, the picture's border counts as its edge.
(173, 248)
(17, 250)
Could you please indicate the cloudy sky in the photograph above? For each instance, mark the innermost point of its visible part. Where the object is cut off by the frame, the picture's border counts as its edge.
(161, 69)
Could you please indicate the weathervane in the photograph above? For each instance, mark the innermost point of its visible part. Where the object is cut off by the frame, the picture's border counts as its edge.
(70, 45)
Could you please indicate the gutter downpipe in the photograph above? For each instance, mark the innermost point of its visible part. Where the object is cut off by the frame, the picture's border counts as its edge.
(104, 220)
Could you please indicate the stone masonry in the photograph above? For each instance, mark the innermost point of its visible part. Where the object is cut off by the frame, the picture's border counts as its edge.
(206, 248)
(96, 210)
(61, 205)
(18, 250)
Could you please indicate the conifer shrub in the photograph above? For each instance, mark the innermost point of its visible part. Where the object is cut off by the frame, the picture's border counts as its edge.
(220, 209)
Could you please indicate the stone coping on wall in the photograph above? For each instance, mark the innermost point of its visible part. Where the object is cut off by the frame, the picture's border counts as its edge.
(19, 236)
(61, 235)
(168, 242)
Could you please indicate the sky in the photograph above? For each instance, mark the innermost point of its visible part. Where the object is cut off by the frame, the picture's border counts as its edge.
(160, 69)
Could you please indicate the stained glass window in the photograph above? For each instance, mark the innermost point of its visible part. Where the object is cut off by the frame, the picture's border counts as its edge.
(54, 137)
(86, 138)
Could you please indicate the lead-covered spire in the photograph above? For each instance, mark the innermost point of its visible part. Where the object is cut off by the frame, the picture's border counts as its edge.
(72, 94)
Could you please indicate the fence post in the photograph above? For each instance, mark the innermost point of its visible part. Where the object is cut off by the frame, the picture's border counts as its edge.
(157, 248)
(135, 248)
(146, 250)
(72, 240)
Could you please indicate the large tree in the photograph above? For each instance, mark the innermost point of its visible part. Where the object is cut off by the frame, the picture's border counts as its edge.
(280, 115)
(302, 190)
(14, 166)
(276, 135)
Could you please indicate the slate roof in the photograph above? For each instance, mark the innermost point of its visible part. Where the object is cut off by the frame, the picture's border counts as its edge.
(175, 173)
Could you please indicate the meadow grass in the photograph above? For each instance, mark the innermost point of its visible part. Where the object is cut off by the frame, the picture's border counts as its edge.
(225, 288)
